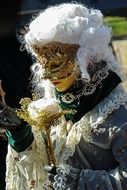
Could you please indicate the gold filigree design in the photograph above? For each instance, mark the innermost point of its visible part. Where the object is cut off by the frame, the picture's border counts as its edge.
(44, 122)
(45, 118)
(57, 59)
(23, 111)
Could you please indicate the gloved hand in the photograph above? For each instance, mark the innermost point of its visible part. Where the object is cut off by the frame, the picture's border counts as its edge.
(64, 177)
(8, 117)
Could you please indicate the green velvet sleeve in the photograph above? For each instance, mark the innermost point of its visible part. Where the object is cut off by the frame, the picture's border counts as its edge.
(21, 138)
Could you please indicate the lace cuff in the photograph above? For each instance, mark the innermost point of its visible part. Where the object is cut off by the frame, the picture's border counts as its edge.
(66, 178)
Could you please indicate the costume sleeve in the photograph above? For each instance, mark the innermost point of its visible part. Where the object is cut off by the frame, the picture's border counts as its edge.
(21, 138)
(115, 179)
(26, 159)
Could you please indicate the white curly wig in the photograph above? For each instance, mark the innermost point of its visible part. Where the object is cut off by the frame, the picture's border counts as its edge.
(73, 23)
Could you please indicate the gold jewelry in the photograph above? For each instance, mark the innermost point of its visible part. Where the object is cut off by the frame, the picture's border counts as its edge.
(57, 59)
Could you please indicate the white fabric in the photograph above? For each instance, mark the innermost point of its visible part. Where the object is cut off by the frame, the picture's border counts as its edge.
(26, 167)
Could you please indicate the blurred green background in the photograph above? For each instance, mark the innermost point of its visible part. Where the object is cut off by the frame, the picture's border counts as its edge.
(118, 24)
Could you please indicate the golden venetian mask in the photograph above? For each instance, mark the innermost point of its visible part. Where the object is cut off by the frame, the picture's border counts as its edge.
(58, 61)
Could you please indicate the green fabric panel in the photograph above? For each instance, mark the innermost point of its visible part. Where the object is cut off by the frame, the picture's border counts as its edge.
(21, 138)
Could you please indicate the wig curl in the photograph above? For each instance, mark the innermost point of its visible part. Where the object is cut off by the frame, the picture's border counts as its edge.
(73, 23)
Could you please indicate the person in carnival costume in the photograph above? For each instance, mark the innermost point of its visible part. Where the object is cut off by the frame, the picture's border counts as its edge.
(75, 128)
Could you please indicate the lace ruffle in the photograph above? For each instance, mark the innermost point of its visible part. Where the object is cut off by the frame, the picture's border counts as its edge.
(66, 177)
(92, 119)
(89, 87)
(116, 98)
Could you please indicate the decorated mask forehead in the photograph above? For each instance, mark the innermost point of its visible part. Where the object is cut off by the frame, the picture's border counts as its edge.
(56, 58)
